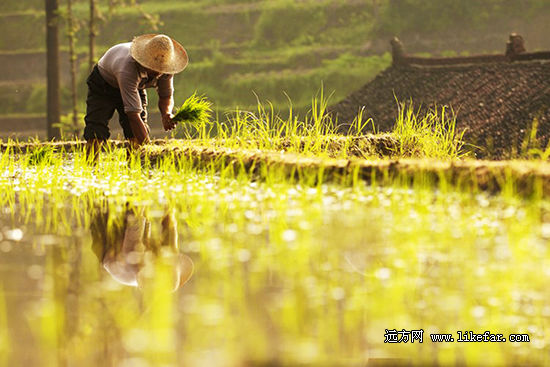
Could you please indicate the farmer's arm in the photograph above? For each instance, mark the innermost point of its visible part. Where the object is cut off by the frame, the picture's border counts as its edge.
(166, 104)
(165, 91)
(128, 85)
(138, 127)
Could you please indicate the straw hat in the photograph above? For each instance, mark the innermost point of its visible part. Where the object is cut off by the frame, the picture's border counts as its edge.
(160, 53)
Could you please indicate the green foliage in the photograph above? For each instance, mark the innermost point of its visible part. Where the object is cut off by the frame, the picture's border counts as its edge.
(67, 127)
(424, 16)
(275, 255)
(13, 38)
(36, 101)
(193, 116)
(267, 47)
(340, 75)
(288, 22)
(429, 134)
(263, 128)
(12, 6)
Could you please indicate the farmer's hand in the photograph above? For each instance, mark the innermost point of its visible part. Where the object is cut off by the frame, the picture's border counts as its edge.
(166, 105)
(139, 129)
(167, 122)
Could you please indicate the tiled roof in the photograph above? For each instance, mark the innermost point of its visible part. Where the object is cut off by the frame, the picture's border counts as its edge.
(496, 102)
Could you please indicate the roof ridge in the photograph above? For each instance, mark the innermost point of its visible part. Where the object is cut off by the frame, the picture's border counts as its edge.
(515, 52)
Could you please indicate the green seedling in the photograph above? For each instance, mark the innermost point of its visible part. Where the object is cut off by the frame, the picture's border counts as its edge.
(196, 110)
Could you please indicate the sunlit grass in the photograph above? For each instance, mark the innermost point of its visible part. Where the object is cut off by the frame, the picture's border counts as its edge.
(430, 134)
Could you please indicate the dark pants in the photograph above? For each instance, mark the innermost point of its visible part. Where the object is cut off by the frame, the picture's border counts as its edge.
(101, 103)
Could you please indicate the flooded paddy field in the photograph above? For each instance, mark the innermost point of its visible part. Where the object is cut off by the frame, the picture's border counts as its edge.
(170, 265)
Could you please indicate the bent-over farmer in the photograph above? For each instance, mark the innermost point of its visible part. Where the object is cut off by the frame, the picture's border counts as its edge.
(118, 82)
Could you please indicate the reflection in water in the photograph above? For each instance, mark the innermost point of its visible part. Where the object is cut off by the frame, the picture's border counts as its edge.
(290, 275)
(128, 252)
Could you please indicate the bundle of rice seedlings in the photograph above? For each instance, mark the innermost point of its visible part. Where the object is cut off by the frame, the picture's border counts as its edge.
(195, 110)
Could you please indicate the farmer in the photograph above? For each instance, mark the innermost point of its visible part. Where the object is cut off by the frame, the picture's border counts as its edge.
(118, 82)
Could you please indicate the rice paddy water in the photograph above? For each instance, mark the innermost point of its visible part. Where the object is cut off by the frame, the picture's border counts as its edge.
(285, 272)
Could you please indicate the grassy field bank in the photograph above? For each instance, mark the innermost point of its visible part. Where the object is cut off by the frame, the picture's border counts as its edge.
(336, 160)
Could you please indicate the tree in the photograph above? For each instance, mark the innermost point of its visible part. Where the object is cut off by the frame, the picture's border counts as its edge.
(52, 68)
(71, 35)
(92, 34)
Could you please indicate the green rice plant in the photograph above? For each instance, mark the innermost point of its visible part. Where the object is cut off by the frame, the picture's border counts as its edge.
(196, 110)
(193, 117)
(538, 153)
(531, 145)
(39, 155)
(428, 134)
(359, 124)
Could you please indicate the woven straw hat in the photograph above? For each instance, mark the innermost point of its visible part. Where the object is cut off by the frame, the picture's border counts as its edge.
(160, 53)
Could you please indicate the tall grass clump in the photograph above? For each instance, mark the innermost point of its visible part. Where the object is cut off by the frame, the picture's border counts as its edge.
(431, 134)
(266, 129)
(532, 146)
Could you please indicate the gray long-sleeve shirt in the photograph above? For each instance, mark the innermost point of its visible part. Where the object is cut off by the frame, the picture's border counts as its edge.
(121, 71)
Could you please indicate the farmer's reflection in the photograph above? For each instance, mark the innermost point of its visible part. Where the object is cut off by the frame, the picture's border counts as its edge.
(127, 251)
